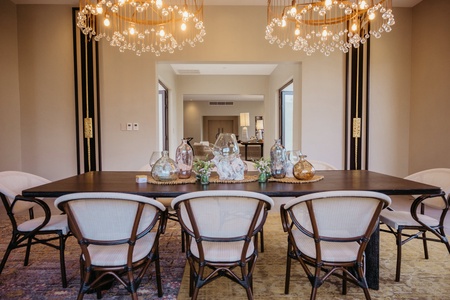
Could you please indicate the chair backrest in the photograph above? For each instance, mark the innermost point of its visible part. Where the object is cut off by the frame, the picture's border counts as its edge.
(321, 165)
(12, 183)
(109, 217)
(438, 177)
(215, 215)
(336, 215)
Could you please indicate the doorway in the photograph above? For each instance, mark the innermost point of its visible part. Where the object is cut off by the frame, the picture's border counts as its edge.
(214, 125)
(286, 98)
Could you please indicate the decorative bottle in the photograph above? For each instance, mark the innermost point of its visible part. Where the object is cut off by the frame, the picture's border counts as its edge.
(184, 158)
(277, 160)
(165, 168)
(303, 169)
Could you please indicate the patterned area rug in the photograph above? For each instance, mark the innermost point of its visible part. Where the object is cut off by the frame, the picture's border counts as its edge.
(420, 278)
(41, 279)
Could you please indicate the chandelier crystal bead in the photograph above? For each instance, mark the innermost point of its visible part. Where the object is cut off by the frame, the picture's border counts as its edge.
(142, 26)
(326, 25)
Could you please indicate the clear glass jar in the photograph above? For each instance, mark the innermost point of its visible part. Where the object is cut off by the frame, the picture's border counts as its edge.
(277, 160)
(303, 169)
(165, 168)
(184, 157)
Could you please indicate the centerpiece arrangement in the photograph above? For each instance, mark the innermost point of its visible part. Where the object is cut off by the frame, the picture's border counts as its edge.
(203, 169)
(226, 158)
(264, 169)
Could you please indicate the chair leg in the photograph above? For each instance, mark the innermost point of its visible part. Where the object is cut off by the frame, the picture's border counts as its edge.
(425, 246)
(183, 241)
(344, 283)
(399, 255)
(288, 270)
(261, 235)
(5, 256)
(158, 277)
(27, 252)
(62, 261)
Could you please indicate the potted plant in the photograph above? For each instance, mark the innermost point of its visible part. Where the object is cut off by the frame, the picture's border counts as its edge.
(203, 169)
(263, 166)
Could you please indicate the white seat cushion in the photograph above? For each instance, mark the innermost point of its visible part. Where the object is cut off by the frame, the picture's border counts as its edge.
(116, 255)
(57, 222)
(331, 251)
(403, 218)
(222, 252)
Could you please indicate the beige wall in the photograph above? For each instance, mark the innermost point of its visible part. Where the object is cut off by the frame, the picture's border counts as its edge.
(390, 96)
(129, 91)
(430, 89)
(10, 145)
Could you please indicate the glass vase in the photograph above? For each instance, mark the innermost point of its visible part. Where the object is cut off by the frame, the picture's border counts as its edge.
(303, 169)
(165, 168)
(184, 158)
(204, 178)
(262, 178)
(277, 160)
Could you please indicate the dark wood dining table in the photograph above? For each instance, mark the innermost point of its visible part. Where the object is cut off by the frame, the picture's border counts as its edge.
(125, 182)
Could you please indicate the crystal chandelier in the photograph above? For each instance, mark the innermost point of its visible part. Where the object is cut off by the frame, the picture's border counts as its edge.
(143, 25)
(326, 25)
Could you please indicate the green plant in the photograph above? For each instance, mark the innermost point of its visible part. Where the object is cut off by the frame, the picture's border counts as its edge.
(202, 167)
(263, 165)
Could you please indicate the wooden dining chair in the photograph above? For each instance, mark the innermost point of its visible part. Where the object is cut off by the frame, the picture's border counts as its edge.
(328, 233)
(118, 235)
(50, 230)
(222, 229)
(415, 223)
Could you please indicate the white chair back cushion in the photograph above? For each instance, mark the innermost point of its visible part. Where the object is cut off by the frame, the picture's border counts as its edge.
(222, 217)
(12, 183)
(223, 213)
(438, 177)
(109, 216)
(343, 214)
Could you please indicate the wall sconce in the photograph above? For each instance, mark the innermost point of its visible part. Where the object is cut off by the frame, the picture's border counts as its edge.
(245, 121)
(259, 127)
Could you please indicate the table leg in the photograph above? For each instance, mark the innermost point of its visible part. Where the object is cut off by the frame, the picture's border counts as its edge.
(373, 260)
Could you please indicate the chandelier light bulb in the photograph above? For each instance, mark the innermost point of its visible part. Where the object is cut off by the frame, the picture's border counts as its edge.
(293, 11)
(354, 26)
(121, 2)
(283, 23)
(328, 3)
(324, 32)
(363, 4)
(162, 32)
(297, 31)
(99, 9)
(159, 4)
(132, 30)
(106, 21)
(183, 26)
(371, 16)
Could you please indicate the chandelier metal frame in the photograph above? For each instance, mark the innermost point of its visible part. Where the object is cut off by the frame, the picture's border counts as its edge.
(326, 25)
(141, 26)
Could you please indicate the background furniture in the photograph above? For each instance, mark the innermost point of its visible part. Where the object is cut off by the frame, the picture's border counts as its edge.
(222, 229)
(330, 231)
(112, 248)
(253, 145)
(42, 230)
(415, 220)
